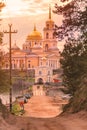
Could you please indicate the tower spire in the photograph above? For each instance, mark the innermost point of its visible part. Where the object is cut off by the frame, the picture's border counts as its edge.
(34, 27)
(49, 11)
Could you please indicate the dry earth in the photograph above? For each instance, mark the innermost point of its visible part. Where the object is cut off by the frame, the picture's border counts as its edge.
(62, 122)
(43, 106)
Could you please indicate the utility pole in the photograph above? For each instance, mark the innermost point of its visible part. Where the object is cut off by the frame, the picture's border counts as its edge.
(10, 32)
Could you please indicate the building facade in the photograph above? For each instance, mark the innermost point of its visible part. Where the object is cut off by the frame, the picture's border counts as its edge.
(38, 53)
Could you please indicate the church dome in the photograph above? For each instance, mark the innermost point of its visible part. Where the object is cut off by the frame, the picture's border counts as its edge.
(50, 21)
(35, 35)
(15, 47)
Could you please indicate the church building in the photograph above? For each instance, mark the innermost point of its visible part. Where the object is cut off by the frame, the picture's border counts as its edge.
(38, 53)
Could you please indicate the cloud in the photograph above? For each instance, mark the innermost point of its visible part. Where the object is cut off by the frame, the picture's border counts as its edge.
(19, 8)
(37, 1)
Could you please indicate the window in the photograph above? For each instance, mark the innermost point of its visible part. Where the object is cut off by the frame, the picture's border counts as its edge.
(6, 66)
(40, 72)
(30, 44)
(46, 47)
(28, 65)
(48, 72)
(14, 66)
(40, 63)
(47, 35)
(47, 26)
(22, 66)
(38, 87)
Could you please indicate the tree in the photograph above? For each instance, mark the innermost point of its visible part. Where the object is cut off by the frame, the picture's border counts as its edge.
(3, 75)
(74, 55)
(74, 65)
(75, 20)
(2, 5)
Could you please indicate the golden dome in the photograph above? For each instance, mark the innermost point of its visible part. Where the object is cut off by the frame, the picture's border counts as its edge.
(35, 35)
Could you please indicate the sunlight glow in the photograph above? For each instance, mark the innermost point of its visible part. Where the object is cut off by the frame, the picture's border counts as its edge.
(16, 8)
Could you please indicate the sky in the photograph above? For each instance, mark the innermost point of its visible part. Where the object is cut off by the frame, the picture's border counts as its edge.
(23, 14)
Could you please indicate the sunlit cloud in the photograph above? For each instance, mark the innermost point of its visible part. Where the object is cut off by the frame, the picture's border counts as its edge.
(18, 8)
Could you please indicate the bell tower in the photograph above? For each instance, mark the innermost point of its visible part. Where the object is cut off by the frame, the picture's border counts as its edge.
(49, 39)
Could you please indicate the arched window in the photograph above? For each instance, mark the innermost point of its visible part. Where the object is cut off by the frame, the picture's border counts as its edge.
(38, 87)
(47, 35)
(40, 43)
(48, 72)
(47, 26)
(35, 43)
(46, 47)
(6, 66)
(40, 72)
(30, 44)
(40, 63)
(14, 66)
(28, 65)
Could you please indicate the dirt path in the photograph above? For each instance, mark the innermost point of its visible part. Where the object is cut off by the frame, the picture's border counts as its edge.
(58, 123)
(65, 122)
(42, 106)
(45, 107)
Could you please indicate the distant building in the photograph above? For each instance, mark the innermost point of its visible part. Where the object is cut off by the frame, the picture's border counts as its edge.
(38, 53)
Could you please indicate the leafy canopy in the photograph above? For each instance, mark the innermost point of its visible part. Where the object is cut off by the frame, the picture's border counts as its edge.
(74, 56)
(74, 29)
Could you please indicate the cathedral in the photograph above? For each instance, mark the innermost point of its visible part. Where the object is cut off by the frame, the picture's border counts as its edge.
(38, 53)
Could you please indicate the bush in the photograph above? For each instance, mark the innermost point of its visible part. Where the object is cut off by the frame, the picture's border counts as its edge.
(16, 109)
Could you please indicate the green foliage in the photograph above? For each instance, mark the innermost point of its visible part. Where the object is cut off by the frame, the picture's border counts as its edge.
(3, 110)
(4, 81)
(16, 109)
(4, 76)
(74, 56)
(79, 101)
(74, 65)
(75, 19)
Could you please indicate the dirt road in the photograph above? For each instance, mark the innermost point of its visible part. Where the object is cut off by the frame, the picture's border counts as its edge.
(42, 106)
(38, 106)
(70, 122)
